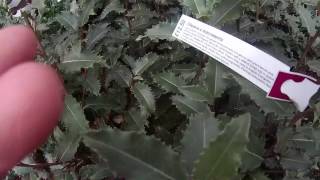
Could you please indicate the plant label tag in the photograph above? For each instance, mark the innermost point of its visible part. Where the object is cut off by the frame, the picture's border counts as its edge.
(255, 65)
(295, 87)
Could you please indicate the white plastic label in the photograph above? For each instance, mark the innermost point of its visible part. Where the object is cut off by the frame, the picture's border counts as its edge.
(253, 64)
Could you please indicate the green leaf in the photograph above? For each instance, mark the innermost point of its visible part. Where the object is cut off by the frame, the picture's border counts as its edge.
(114, 5)
(67, 146)
(137, 156)
(68, 20)
(97, 33)
(222, 158)
(91, 81)
(144, 96)
(162, 31)
(201, 7)
(144, 63)
(214, 78)
(203, 128)
(169, 82)
(86, 10)
(308, 21)
(187, 106)
(226, 11)
(135, 120)
(196, 93)
(314, 66)
(73, 116)
(38, 4)
(122, 75)
(259, 97)
(76, 59)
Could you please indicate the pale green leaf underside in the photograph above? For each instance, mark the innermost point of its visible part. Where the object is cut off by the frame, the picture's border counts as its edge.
(221, 160)
(144, 157)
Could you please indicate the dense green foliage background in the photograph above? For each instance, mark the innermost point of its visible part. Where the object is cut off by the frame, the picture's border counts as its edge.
(141, 105)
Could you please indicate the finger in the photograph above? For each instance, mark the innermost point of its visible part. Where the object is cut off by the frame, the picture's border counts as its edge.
(18, 44)
(31, 105)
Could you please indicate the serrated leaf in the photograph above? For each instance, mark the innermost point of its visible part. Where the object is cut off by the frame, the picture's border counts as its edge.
(308, 21)
(203, 128)
(38, 4)
(200, 7)
(114, 5)
(314, 66)
(187, 106)
(68, 20)
(214, 78)
(135, 120)
(91, 81)
(144, 63)
(226, 11)
(222, 158)
(144, 157)
(122, 75)
(162, 31)
(67, 146)
(144, 96)
(259, 97)
(196, 93)
(73, 116)
(96, 34)
(169, 82)
(86, 11)
(76, 59)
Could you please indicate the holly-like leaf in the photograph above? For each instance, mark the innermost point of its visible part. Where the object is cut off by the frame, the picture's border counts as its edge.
(169, 82)
(144, 96)
(76, 59)
(91, 81)
(144, 157)
(201, 7)
(86, 10)
(187, 106)
(67, 146)
(214, 78)
(226, 11)
(122, 75)
(161, 31)
(135, 120)
(96, 34)
(259, 97)
(144, 63)
(38, 4)
(114, 5)
(73, 116)
(222, 158)
(68, 20)
(196, 93)
(203, 128)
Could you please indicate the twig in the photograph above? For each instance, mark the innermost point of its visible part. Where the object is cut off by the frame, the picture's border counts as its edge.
(302, 61)
(258, 11)
(128, 18)
(202, 65)
(37, 166)
(300, 115)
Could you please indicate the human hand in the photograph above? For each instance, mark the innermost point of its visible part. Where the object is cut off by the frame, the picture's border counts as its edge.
(31, 97)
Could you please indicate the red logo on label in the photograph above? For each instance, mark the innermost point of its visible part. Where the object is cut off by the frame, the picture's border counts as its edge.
(275, 92)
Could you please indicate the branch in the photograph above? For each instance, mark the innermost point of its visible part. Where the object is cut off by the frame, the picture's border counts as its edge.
(202, 65)
(38, 166)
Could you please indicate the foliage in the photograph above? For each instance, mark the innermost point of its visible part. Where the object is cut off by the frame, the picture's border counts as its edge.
(141, 105)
